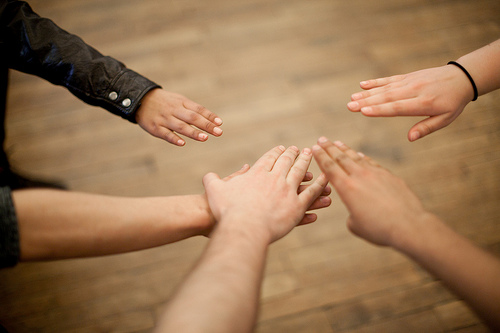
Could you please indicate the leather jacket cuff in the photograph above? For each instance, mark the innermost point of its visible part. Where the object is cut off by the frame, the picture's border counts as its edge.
(125, 93)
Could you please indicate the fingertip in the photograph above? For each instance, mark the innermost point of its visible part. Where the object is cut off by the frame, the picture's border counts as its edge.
(353, 106)
(218, 121)
(414, 136)
(217, 131)
(306, 151)
(322, 140)
(367, 110)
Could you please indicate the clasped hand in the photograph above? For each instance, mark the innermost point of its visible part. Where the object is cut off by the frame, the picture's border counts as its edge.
(268, 198)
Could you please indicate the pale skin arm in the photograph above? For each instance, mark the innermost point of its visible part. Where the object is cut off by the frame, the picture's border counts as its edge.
(221, 294)
(57, 224)
(165, 114)
(439, 93)
(384, 211)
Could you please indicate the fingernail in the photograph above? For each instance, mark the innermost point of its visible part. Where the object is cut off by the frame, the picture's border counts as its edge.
(366, 110)
(353, 105)
(217, 131)
(316, 148)
(414, 136)
(338, 143)
(202, 136)
(282, 148)
(361, 154)
(322, 139)
(306, 151)
(181, 142)
(363, 83)
(218, 121)
(356, 96)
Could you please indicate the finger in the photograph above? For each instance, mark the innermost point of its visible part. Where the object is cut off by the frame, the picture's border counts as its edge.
(374, 83)
(168, 135)
(312, 192)
(192, 118)
(286, 161)
(369, 160)
(320, 202)
(308, 176)
(308, 219)
(181, 127)
(405, 107)
(209, 178)
(428, 126)
(328, 165)
(341, 158)
(326, 191)
(299, 168)
(207, 114)
(349, 152)
(243, 170)
(387, 95)
(267, 161)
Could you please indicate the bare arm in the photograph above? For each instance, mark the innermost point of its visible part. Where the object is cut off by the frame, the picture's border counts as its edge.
(58, 224)
(222, 292)
(439, 93)
(384, 211)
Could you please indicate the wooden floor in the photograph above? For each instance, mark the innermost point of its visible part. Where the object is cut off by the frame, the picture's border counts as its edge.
(277, 72)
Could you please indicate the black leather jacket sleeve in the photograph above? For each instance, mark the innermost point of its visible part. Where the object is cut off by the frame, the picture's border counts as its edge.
(9, 233)
(35, 45)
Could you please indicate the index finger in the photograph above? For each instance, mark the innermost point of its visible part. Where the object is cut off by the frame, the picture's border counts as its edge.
(267, 161)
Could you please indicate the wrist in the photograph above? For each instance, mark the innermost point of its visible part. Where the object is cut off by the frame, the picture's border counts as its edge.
(415, 233)
(240, 227)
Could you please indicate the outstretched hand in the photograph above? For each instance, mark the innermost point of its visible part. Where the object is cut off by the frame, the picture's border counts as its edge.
(381, 205)
(269, 197)
(439, 93)
(165, 114)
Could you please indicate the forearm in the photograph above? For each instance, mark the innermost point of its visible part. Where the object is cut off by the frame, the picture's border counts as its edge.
(59, 224)
(36, 45)
(484, 67)
(222, 292)
(468, 270)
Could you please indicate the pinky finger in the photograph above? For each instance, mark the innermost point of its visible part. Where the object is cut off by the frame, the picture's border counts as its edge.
(171, 137)
(308, 218)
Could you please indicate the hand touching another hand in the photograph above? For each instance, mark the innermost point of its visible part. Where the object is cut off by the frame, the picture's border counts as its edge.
(165, 114)
(381, 205)
(268, 198)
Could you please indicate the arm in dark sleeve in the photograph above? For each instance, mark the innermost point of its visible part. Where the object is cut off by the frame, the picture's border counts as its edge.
(37, 46)
(9, 232)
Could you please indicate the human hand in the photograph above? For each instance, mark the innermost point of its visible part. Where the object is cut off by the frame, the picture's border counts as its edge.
(440, 93)
(163, 114)
(381, 205)
(268, 198)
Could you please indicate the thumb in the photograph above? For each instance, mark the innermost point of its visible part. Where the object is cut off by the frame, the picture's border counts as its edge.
(428, 126)
(210, 177)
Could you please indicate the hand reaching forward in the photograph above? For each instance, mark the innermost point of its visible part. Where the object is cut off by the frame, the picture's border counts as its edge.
(381, 205)
(268, 199)
(165, 114)
(439, 93)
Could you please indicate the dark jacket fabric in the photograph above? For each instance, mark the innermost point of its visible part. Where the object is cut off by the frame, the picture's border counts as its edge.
(36, 45)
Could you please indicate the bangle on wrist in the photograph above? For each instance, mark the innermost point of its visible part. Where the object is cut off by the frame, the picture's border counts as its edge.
(468, 75)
